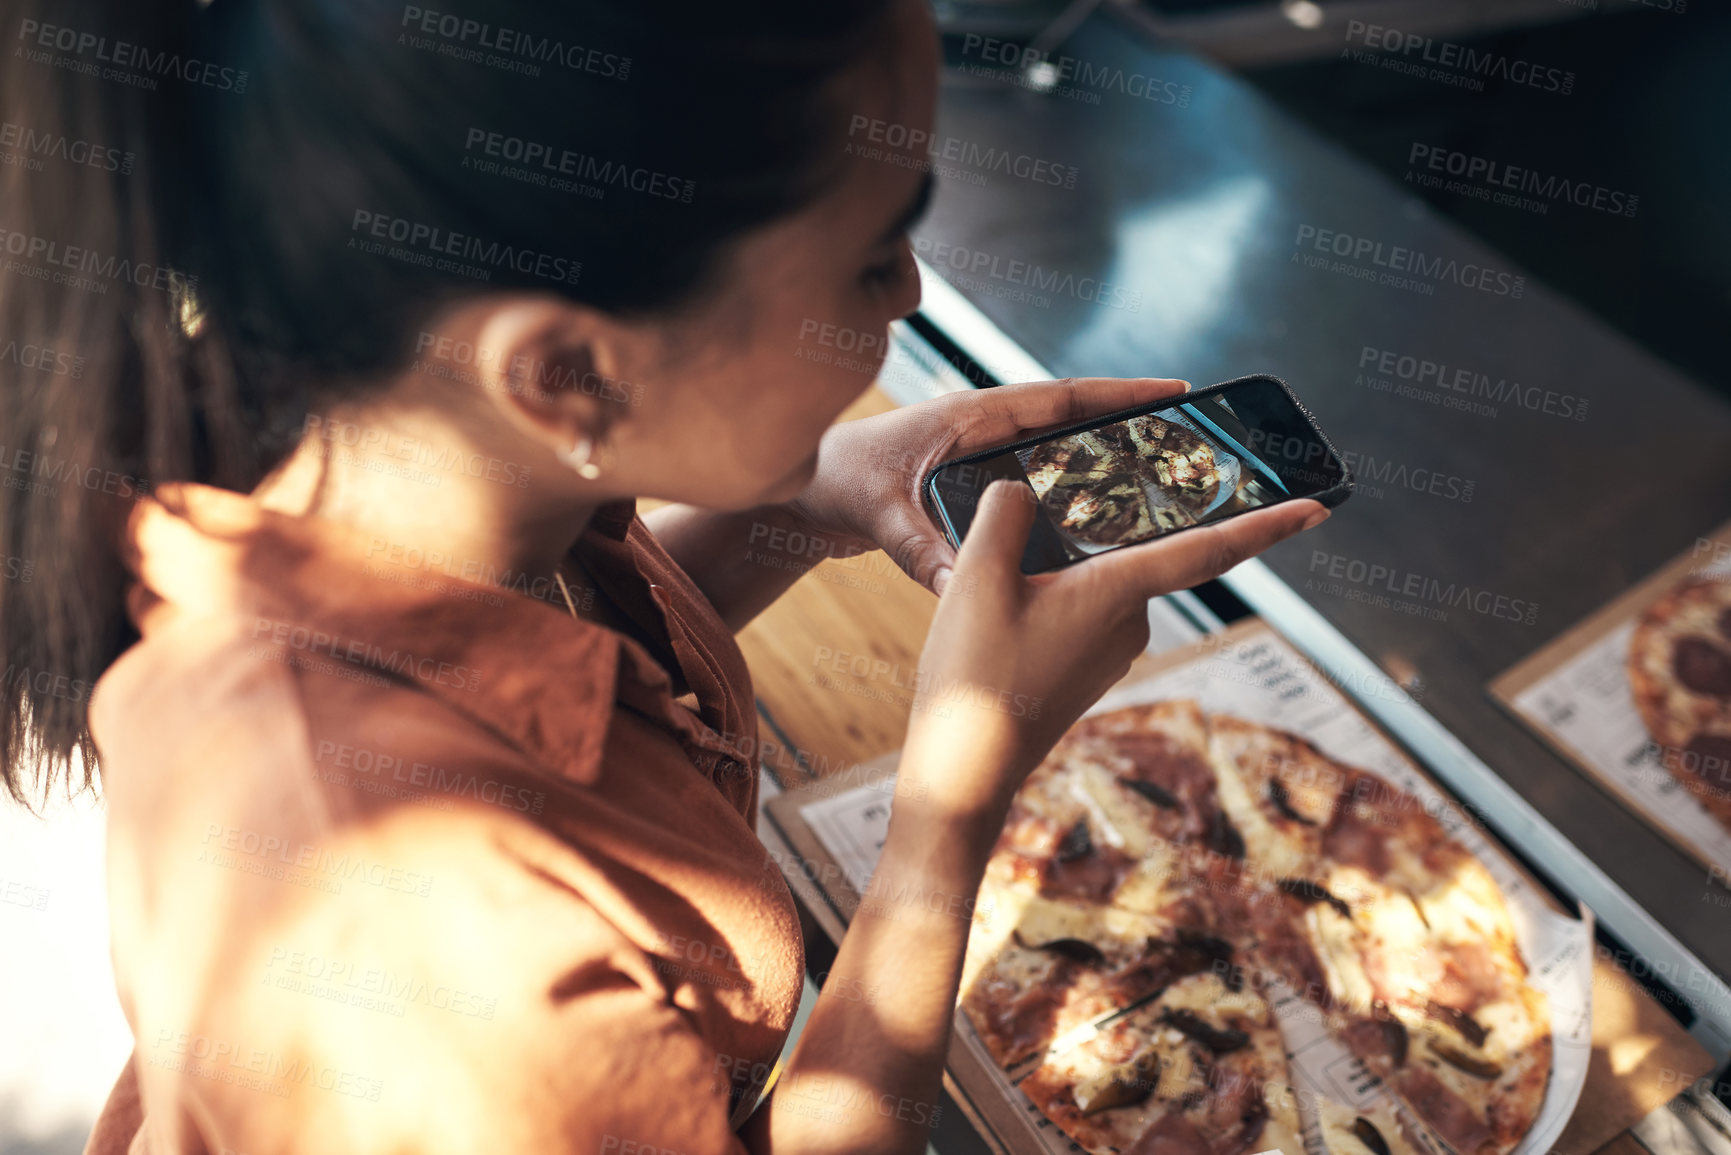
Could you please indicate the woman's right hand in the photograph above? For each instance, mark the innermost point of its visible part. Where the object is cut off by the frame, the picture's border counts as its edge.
(1012, 660)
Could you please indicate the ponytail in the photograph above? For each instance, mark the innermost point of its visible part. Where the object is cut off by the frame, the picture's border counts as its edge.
(104, 390)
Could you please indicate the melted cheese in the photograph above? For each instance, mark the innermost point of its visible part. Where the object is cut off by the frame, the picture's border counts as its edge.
(1122, 822)
(1268, 846)
(1509, 1027)
(1111, 929)
(1336, 942)
(1395, 936)
(1210, 1000)
(1151, 886)
(1468, 908)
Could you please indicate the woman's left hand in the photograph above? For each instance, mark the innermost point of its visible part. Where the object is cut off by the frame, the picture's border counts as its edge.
(867, 492)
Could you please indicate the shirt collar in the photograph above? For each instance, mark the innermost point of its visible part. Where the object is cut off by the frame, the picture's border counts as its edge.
(521, 666)
(614, 518)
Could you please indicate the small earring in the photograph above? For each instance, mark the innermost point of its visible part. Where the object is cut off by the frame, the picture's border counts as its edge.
(580, 457)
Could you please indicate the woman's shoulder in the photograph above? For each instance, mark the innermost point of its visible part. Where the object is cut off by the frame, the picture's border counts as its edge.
(213, 715)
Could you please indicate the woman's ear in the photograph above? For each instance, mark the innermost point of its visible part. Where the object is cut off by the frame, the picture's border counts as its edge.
(545, 365)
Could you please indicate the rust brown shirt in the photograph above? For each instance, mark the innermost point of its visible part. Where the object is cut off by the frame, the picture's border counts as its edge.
(401, 861)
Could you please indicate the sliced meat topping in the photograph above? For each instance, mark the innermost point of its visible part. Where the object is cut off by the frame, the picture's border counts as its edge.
(1708, 757)
(1023, 1022)
(1354, 838)
(1310, 892)
(1251, 1123)
(1172, 766)
(1165, 962)
(1702, 667)
(1172, 1134)
(1284, 947)
(1470, 976)
(1094, 874)
(1451, 1116)
(1377, 1040)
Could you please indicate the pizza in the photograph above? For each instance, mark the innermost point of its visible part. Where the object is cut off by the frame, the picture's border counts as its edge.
(1680, 672)
(1166, 873)
(1124, 482)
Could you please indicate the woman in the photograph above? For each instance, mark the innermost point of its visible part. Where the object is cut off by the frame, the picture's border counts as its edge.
(382, 317)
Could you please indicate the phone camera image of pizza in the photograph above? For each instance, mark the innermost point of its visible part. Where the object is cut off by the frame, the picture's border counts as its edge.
(1128, 481)
(1165, 872)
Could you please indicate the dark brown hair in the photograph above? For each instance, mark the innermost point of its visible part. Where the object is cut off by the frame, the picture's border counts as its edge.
(210, 206)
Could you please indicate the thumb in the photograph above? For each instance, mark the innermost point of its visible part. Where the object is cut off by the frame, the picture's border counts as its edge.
(993, 547)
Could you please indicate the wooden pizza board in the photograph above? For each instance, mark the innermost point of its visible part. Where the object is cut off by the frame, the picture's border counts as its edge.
(1641, 1056)
(1539, 666)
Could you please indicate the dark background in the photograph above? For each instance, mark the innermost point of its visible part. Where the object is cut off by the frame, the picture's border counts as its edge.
(1653, 118)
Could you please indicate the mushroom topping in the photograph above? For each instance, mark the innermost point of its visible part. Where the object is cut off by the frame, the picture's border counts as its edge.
(1123, 1086)
(1158, 795)
(1365, 1132)
(1216, 1040)
(1283, 802)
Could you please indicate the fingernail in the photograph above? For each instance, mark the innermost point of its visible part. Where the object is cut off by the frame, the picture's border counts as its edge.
(940, 579)
(1317, 518)
(1186, 385)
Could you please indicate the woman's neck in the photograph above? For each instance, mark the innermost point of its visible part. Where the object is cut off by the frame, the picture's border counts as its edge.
(414, 479)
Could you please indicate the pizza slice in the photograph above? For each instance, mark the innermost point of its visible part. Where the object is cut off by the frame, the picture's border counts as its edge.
(1199, 1070)
(1465, 1044)
(1366, 907)
(1424, 974)
(1472, 1084)
(1280, 791)
(1089, 901)
(1037, 968)
(1124, 811)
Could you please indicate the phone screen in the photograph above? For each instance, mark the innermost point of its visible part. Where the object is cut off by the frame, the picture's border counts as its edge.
(1136, 478)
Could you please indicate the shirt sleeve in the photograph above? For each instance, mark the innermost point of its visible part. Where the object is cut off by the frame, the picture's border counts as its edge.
(457, 995)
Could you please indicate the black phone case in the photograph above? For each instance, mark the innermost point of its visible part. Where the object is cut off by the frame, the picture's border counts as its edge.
(1330, 497)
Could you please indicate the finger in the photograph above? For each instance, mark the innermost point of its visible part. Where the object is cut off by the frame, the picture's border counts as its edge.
(1010, 411)
(918, 550)
(993, 547)
(1190, 558)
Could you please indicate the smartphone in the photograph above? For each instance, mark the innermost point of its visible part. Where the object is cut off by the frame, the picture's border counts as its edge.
(1157, 469)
